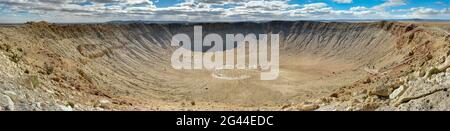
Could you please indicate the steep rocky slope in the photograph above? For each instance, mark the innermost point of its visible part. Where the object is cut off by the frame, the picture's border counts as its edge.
(323, 66)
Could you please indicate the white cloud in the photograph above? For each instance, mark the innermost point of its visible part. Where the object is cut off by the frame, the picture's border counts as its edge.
(135, 2)
(343, 1)
(422, 12)
(315, 5)
(313, 10)
(389, 3)
(359, 8)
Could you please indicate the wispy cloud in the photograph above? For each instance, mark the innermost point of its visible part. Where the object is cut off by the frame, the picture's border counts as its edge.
(343, 1)
(390, 3)
(209, 10)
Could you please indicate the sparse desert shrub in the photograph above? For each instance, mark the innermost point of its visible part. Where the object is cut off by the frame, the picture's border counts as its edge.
(15, 57)
(5, 47)
(84, 75)
(34, 81)
(432, 71)
(429, 57)
(411, 53)
(20, 49)
(48, 68)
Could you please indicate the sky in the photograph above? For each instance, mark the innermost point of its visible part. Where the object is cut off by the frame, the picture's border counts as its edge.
(73, 11)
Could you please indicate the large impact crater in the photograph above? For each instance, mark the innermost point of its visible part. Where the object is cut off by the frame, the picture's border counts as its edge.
(129, 65)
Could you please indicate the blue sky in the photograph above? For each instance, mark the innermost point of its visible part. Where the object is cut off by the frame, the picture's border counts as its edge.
(13, 11)
(436, 4)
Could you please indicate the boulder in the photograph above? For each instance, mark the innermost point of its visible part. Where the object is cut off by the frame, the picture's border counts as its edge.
(420, 73)
(397, 92)
(64, 108)
(307, 107)
(381, 90)
(104, 101)
(6, 103)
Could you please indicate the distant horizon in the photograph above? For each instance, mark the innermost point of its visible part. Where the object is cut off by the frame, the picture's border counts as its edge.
(180, 21)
